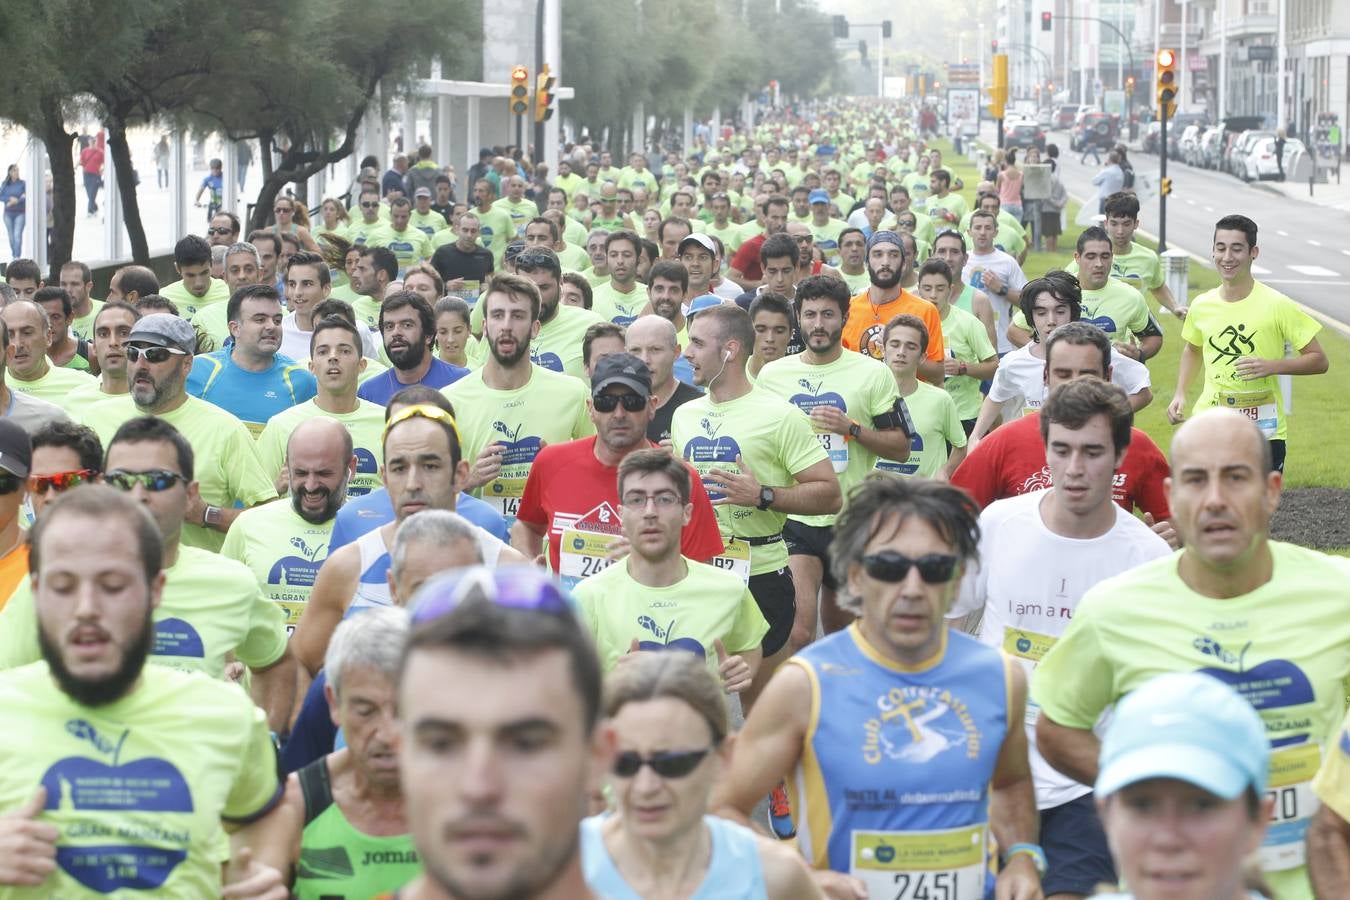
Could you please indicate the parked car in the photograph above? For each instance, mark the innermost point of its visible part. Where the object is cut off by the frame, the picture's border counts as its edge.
(1150, 141)
(1189, 144)
(1045, 117)
(1023, 133)
(1260, 163)
(1103, 127)
(1211, 147)
(1064, 115)
(1236, 161)
(1176, 127)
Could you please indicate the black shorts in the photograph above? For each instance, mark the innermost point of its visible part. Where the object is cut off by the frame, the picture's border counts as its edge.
(1277, 451)
(1075, 848)
(811, 540)
(777, 600)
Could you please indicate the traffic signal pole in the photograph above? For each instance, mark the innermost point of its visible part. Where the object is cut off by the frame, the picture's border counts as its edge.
(1162, 179)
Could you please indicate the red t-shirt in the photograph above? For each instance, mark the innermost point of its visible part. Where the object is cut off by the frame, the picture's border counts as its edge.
(566, 482)
(1011, 461)
(746, 260)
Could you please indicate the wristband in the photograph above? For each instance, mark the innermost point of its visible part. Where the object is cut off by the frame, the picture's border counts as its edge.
(961, 369)
(1034, 851)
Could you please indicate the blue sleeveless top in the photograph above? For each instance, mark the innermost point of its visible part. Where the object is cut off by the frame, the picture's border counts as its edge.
(893, 784)
(734, 872)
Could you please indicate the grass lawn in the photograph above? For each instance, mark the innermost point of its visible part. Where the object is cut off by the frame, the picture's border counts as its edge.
(1317, 424)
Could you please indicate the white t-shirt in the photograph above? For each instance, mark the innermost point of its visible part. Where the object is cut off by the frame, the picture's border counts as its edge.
(295, 343)
(1029, 581)
(1019, 380)
(1010, 273)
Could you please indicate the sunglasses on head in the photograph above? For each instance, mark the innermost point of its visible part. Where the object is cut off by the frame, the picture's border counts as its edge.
(154, 355)
(517, 587)
(59, 481)
(892, 567)
(607, 403)
(669, 764)
(155, 480)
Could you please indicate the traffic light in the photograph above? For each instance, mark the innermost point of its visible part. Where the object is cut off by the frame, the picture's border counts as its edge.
(840, 25)
(1167, 82)
(886, 29)
(543, 95)
(998, 92)
(1129, 84)
(1046, 19)
(520, 90)
(993, 45)
(1164, 186)
(862, 49)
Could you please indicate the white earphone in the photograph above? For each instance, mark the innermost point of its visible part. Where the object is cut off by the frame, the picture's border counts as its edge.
(726, 357)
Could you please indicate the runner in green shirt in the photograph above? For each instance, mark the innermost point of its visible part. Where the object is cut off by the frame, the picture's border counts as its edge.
(79, 282)
(971, 357)
(409, 245)
(623, 297)
(112, 325)
(944, 206)
(932, 411)
(195, 288)
(853, 260)
(29, 369)
(423, 217)
(516, 207)
(495, 226)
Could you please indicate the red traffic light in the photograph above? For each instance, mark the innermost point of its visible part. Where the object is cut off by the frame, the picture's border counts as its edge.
(1046, 19)
(1166, 58)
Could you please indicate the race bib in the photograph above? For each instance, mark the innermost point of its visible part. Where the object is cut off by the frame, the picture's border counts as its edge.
(1032, 647)
(836, 447)
(581, 554)
(293, 609)
(921, 865)
(1259, 406)
(504, 494)
(1291, 773)
(735, 558)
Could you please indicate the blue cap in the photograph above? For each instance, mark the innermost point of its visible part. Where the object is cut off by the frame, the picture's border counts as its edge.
(1188, 726)
(819, 196)
(702, 302)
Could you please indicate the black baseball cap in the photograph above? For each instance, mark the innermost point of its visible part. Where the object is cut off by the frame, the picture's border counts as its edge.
(621, 368)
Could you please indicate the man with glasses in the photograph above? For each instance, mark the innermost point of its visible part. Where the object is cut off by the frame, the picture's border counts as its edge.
(65, 455)
(286, 541)
(657, 597)
(371, 222)
(249, 378)
(570, 495)
(408, 327)
(223, 229)
(424, 468)
(16, 460)
(884, 767)
(159, 358)
(212, 611)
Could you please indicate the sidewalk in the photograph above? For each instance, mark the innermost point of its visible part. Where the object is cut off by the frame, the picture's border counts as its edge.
(1332, 195)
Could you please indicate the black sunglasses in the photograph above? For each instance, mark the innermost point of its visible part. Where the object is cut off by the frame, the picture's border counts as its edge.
(155, 480)
(154, 355)
(670, 764)
(892, 567)
(220, 231)
(607, 403)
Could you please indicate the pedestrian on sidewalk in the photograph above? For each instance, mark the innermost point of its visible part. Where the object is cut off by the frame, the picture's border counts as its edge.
(91, 165)
(14, 198)
(1279, 153)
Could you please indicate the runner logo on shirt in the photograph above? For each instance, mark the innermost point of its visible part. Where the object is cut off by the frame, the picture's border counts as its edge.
(140, 855)
(1236, 343)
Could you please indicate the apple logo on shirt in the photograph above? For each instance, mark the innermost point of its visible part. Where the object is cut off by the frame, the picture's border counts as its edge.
(141, 853)
(809, 401)
(366, 464)
(298, 571)
(517, 450)
(663, 639)
(1272, 684)
(708, 449)
(175, 637)
(548, 359)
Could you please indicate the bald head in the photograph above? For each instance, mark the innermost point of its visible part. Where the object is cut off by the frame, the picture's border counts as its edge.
(1220, 434)
(319, 463)
(651, 329)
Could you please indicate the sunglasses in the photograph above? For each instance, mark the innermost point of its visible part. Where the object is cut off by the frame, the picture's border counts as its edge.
(892, 567)
(670, 764)
(220, 231)
(154, 355)
(281, 209)
(60, 481)
(370, 205)
(422, 411)
(522, 587)
(154, 481)
(607, 403)
(9, 482)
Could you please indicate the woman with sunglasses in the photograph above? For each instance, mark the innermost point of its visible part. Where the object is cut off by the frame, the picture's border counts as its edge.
(668, 720)
(293, 219)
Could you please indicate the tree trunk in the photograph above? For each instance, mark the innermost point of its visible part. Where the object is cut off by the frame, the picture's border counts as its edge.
(58, 142)
(126, 189)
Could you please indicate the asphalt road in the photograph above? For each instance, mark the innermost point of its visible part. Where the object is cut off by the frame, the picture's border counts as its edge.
(1305, 251)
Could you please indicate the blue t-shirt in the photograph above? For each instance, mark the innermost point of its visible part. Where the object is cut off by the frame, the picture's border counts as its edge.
(253, 397)
(369, 511)
(213, 183)
(385, 385)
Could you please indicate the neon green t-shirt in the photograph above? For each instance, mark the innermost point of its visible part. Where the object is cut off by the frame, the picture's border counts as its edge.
(967, 339)
(188, 304)
(214, 321)
(360, 231)
(282, 550)
(569, 183)
(1257, 325)
(730, 235)
(138, 788)
(549, 409)
(856, 283)
(953, 203)
(574, 258)
(613, 306)
(83, 397)
(1285, 646)
(1115, 308)
(495, 231)
(83, 326)
(53, 386)
(558, 344)
(1140, 267)
(827, 238)
(936, 424)
(631, 178)
(365, 424)
(863, 387)
(409, 246)
(520, 214)
(917, 185)
(226, 462)
(211, 608)
(428, 223)
(707, 604)
(771, 435)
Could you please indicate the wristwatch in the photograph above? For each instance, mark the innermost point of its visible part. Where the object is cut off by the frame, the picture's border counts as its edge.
(211, 517)
(961, 369)
(854, 430)
(765, 498)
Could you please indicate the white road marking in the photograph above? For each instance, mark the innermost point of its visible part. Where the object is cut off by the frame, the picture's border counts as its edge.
(1209, 209)
(1190, 201)
(1282, 233)
(1346, 252)
(1315, 271)
(1317, 281)
(1314, 243)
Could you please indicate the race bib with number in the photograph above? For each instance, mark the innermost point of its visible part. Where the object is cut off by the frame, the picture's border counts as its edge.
(836, 447)
(921, 865)
(293, 609)
(1259, 406)
(735, 558)
(1291, 773)
(582, 554)
(504, 492)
